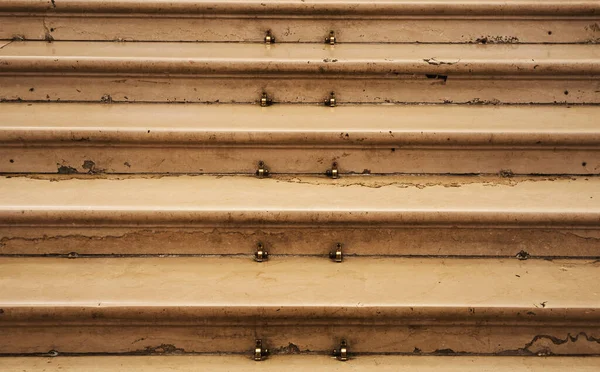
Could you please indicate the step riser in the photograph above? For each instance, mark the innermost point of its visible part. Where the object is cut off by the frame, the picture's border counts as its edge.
(405, 338)
(293, 29)
(121, 88)
(190, 159)
(360, 240)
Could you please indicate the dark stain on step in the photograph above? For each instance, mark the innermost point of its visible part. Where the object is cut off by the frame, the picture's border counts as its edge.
(65, 169)
(497, 40)
(440, 77)
(164, 349)
(289, 349)
(444, 351)
(90, 166)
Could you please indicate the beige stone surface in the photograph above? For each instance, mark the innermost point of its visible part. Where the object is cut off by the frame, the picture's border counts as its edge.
(301, 363)
(311, 200)
(225, 58)
(306, 287)
(371, 139)
(305, 29)
(380, 305)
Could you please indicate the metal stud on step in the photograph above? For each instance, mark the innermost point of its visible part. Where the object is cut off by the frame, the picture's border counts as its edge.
(260, 353)
(331, 40)
(265, 100)
(337, 255)
(262, 171)
(269, 39)
(261, 255)
(341, 353)
(333, 172)
(331, 101)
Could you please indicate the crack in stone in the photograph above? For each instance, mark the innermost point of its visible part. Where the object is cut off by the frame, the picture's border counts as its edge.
(139, 233)
(47, 31)
(7, 44)
(525, 350)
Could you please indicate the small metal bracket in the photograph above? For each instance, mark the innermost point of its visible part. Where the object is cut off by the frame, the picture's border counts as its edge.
(331, 101)
(269, 39)
(337, 255)
(259, 352)
(261, 255)
(331, 40)
(262, 171)
(265, 100)
(333, 172)
(341, 353)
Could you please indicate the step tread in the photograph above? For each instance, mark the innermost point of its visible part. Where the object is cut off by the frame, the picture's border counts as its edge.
(312, 200)
(234, 58)
(301, 363)
(373, 288)
(538, 126)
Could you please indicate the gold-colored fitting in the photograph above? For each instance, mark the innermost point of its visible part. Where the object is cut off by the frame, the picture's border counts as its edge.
(337, 255)
(260, 353)
(269, 39)
(331, 101)
(341, 353)
(261, 255)
(262, 170)
(331, 40)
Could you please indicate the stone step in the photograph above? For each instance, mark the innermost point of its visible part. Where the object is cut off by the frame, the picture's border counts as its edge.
(384, 215)
(299, 73)
(299, 304)
(291, 139)
(353, 21)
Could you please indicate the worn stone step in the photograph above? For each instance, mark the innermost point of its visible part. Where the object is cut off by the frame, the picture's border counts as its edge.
(296, 363)
(354, 21)
(299, 73)
(299, 304)
(291, 139)
(392, 216)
